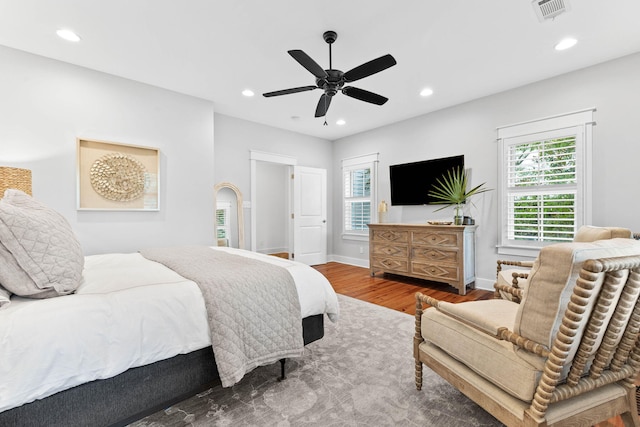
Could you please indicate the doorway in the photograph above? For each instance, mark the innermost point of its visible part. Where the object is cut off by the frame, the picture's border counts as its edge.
(288, 213)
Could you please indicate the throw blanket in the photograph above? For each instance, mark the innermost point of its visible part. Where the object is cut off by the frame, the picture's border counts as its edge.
(252, 307)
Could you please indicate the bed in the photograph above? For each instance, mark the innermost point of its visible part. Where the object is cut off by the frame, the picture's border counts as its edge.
(132, 338)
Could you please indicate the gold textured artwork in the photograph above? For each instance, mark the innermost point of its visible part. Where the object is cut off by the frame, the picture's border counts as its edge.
(114, 176)
(118, 177)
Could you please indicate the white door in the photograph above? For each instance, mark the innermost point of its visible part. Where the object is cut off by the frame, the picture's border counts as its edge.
(309, 215)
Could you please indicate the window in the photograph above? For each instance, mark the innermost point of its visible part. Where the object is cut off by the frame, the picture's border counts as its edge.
(544, 181)
(223, 213)
(359, 195)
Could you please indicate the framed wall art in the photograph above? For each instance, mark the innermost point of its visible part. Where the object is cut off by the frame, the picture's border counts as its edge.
(114, 176)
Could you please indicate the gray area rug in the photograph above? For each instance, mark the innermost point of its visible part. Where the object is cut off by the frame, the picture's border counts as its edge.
(360, 374)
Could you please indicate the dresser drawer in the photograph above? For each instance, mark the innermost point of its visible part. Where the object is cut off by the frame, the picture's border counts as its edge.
(435, 271)
(390, 236)
(437, 238)
(434, 254)
(390, 250)
(392, 265)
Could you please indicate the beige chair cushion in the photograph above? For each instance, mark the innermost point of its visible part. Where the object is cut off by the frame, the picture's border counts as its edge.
(589, 233)
(492, 359)
(551, 283)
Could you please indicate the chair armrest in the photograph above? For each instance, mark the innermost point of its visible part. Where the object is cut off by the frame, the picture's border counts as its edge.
(525, 264)
(516, 292)
(524, 343)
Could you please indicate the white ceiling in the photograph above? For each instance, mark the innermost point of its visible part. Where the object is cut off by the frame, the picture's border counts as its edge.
(213, 49)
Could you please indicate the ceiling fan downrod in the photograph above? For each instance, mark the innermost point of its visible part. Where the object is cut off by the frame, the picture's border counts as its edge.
(330, 37)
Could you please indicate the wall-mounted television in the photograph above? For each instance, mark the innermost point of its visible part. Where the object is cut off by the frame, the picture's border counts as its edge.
(411, 182)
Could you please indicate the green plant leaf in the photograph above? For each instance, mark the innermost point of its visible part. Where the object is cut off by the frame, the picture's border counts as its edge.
(451, 189)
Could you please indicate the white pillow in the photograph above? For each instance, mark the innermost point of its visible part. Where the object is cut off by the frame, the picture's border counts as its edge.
(40, 255)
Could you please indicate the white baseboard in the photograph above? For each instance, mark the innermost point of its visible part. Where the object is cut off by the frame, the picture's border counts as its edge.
(358, 262)
(484, 284)
(272, 250)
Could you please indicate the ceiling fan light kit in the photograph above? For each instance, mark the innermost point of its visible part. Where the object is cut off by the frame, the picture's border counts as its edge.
(332, 81)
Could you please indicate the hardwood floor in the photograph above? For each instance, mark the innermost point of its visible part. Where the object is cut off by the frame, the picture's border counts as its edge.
(398, 293)
(391, 291)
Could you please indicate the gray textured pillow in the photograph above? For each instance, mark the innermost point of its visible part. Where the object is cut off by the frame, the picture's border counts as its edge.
(40, 255)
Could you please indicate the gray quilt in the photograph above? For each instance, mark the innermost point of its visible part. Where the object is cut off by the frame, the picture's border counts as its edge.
(252, 306)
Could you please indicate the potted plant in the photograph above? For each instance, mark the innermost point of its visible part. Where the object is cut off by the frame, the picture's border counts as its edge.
(451, 190)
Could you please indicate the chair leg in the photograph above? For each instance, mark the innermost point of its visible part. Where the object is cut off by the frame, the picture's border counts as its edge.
(631, 418)
(418, 375)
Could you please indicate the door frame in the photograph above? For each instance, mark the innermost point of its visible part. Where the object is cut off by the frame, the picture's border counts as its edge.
(261, 156)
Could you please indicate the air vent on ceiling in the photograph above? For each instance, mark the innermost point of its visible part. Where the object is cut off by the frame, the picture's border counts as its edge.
(549, 9)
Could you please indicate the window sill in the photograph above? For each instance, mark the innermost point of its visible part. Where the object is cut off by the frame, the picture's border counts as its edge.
(353, 236)
(523, 251)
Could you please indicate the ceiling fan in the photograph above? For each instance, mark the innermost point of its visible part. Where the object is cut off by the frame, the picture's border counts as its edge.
(331, 81)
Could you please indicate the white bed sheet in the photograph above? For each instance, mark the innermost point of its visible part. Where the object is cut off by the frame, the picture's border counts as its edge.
(127, 312)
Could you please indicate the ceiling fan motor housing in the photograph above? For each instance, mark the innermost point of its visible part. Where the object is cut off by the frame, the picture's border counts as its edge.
(333, 83)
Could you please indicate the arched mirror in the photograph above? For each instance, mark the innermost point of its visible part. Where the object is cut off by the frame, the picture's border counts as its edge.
(229, 221)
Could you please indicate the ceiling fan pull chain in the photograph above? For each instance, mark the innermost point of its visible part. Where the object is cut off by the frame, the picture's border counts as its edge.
(325, 104)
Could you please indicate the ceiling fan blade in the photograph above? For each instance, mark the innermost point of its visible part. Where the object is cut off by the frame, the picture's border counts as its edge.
(308, 63)
(288, 91)
(369, 68)
(323, 105)
(364, 95)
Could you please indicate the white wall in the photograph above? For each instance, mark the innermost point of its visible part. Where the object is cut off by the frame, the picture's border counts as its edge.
(613, 88)
(273, 207)
(45, 105)
(234, 140)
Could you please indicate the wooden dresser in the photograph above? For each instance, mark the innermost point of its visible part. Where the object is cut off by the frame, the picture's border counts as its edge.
(442, 253)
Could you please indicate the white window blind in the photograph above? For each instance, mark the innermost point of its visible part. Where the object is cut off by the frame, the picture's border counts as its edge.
(357, 199)
(359, 176)
(223, 213)
(544, 181)
(542, 190)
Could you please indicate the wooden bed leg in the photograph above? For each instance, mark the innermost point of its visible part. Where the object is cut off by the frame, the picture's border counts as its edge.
(282, 376)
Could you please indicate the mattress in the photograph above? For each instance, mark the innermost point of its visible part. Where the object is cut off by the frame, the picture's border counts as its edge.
(127, 312)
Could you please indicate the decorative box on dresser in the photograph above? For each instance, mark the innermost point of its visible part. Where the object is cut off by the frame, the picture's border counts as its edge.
(442, 253)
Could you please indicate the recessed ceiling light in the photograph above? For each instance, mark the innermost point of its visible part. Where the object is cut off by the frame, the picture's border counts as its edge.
(68, 35)
(248, 92)
(566, 44)
(426, 92)
(341, 122)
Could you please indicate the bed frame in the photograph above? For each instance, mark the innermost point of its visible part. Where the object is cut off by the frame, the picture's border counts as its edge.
(135, 393)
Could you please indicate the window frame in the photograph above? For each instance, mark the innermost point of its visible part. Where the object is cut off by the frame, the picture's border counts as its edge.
(369, 161)
(578, 123)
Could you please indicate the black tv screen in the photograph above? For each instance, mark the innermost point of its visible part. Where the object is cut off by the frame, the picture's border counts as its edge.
(411, 182)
